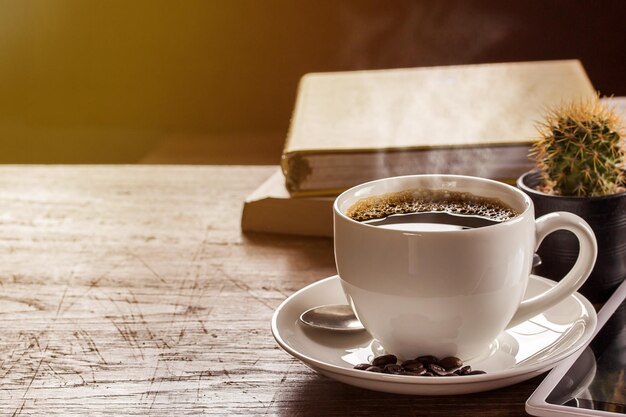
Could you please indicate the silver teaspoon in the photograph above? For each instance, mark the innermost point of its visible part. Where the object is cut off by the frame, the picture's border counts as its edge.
(335, 317)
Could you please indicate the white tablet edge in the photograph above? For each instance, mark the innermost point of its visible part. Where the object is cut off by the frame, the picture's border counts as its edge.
(537, 405)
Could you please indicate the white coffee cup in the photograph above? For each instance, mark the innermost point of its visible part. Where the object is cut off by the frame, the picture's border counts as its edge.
(449, 293)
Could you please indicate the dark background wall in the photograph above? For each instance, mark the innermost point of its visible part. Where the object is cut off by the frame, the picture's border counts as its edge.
(108, 81)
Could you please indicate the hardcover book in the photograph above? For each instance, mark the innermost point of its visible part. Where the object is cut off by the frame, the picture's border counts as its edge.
(271, 209)
(352, 127)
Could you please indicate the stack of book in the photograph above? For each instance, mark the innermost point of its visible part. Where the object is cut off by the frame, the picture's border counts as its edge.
(352, 127)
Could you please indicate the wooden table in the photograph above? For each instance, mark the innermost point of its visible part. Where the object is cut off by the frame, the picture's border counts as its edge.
(130, 290)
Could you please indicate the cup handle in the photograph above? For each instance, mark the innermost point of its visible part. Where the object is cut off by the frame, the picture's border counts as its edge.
(575, 277)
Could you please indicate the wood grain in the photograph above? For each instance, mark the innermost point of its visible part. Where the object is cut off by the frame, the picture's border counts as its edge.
(130, 290)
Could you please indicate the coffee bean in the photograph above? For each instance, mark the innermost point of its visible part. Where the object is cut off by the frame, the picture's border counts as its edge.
(412, 365)
(463, 370)
(418, 372)
(427, 360)
(427, 365)
(384, 360)
(476, 372)
(436, 369)
(392, 368)
(450, 363)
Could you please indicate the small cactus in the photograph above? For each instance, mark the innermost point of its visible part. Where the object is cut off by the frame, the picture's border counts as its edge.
(581, 150)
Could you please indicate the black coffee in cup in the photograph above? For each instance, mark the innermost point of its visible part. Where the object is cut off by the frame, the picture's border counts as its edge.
(427, 209)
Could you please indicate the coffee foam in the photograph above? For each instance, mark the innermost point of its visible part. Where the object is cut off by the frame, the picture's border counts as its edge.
(421, 200)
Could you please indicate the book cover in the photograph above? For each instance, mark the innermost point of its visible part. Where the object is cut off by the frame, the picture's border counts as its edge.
(271, 209)
(351, 127)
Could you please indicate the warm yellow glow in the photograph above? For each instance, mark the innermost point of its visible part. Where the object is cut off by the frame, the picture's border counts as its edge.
(104, 77)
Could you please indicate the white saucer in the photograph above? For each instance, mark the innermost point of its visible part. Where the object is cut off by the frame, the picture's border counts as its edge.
(518, 354)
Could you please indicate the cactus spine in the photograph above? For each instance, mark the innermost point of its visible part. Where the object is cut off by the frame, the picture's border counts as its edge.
(581, 151)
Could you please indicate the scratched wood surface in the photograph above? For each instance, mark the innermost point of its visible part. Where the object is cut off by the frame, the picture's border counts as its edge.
(130, 290)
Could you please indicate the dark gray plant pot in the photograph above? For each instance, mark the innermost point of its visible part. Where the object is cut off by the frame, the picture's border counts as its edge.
(607, 217)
